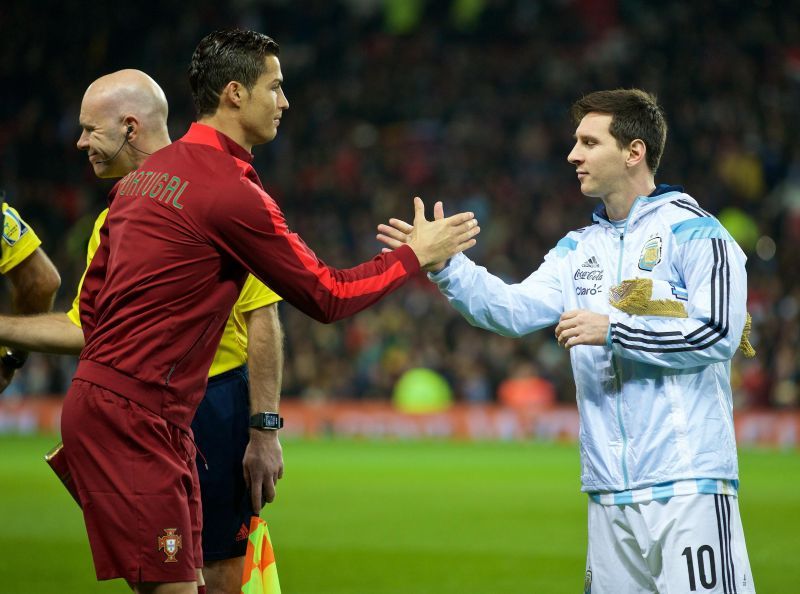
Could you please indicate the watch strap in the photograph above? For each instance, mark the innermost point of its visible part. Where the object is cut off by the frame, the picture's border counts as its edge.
(266, 420)
(13, 359)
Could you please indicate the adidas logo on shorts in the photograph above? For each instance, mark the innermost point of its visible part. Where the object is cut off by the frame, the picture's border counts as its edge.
(243, 533)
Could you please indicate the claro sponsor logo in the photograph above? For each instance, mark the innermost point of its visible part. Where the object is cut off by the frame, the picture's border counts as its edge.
(593, 290)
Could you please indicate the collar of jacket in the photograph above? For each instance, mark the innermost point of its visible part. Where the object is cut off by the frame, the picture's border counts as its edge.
(642, 205)
(203, 134)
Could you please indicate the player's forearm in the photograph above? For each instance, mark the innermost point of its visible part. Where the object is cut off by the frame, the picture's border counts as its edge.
(678, 343)
(265, 358)
(263, 458)
(295, 272)
(488, 302)
(44, 333)
(716, 303)
(34, 284)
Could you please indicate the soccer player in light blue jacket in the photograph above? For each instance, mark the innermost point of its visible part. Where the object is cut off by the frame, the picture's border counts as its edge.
(650, 301)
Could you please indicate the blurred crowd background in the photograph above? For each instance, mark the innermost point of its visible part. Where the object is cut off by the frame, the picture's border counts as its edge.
(464, 101)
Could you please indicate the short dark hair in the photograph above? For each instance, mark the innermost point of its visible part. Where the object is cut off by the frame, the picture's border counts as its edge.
(223, 56)
(634, 114)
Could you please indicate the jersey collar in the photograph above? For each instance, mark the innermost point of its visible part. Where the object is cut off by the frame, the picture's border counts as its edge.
(203, 134)
(599, 214)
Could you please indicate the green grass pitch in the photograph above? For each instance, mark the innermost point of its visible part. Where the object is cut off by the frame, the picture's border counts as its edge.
(364, 517)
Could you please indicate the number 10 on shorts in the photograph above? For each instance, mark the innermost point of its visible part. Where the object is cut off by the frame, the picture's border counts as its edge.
(701, 565)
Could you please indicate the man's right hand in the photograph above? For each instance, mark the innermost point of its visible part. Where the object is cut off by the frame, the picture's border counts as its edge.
(263, 466)
(434, 242)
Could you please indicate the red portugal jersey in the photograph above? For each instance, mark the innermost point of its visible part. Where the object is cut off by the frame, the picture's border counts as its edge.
(181, 235)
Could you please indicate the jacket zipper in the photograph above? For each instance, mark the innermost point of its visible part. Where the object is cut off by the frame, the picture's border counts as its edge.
(189, 350)
(616, 368)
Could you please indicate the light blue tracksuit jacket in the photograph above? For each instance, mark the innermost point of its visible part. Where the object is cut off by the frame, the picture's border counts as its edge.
(655, 402)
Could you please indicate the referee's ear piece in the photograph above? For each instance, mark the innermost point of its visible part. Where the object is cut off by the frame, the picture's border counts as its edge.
(129, 130)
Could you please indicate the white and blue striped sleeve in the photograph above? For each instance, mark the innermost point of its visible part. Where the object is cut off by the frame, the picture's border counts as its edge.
(713, 269)
(488, 302)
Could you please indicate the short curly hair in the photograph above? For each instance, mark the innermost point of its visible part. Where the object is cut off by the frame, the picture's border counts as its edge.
(223, 56)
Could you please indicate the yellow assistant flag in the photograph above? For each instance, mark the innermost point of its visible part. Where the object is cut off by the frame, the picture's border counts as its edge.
(260, 572)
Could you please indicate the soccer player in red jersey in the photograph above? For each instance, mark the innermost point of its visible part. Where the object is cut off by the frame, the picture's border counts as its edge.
(123, 120)
(181, 234)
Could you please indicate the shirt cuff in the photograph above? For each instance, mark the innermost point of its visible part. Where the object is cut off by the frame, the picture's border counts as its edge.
(408, 258)
(445, 272)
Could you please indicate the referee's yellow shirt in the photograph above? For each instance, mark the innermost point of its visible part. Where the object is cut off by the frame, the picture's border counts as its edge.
(232, 350)
(19, 241)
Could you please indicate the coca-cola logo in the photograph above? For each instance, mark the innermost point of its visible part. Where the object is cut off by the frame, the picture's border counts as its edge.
(595, 275)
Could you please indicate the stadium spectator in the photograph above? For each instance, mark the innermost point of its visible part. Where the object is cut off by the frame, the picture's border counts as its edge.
(374, 98)
(651, 302)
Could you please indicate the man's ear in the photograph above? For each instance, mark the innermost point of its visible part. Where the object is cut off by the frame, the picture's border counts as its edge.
(132, 126)
(233, 94)
(637, 150)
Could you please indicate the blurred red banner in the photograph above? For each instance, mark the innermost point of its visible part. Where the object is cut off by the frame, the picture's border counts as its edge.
(381, 420)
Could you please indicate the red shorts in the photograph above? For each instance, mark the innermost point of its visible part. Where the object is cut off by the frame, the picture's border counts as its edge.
(137, 481)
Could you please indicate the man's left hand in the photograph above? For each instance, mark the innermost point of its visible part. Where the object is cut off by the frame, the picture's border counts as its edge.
(263, 466)
(580, 326)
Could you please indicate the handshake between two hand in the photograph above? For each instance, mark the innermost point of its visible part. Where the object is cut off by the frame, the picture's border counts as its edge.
(434, 242)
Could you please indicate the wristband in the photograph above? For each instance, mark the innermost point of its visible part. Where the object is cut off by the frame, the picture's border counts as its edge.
(13, 359)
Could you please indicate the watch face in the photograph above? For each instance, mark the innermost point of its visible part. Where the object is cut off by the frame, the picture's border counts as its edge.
(266, 421)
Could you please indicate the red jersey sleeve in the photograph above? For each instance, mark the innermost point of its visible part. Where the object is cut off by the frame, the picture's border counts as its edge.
(252, 230)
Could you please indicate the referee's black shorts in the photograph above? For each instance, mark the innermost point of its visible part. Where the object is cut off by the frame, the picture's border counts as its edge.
(221, 431)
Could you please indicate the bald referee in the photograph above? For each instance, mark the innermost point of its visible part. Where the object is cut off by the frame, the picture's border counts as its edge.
(123, 120)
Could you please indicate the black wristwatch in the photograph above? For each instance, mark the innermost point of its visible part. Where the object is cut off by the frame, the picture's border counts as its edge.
(13, 359)
(266, 420)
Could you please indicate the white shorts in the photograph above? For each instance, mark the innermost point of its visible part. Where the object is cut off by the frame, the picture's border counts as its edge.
(688, 543)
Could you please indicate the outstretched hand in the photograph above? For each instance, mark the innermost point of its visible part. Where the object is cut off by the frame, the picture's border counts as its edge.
(395, 234)
(434, 242)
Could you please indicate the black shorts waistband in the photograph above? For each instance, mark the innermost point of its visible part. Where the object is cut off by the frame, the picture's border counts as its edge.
(236, 371)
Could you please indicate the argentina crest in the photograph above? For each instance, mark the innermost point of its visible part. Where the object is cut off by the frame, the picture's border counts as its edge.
(170, 543)
(651, 254)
